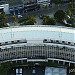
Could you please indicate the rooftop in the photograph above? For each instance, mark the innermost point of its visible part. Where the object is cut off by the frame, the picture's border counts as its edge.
(37, 33)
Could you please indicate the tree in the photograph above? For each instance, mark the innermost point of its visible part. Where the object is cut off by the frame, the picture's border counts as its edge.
(49, 21)
(71, 7)
(30, 20)
(68, 12)
(71, 21)
(45, 20)
(52, 21)
(5, 67)
(3, 20)
(14, 18)
(60, 15)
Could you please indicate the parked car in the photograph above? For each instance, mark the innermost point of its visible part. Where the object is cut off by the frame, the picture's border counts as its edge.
(19, 16)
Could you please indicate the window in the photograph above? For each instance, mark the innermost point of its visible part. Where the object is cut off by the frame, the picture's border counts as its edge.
(57, 41)
(69, 43)
(51, 41)
(45, 40)
(6, 42)
(12, 41)
(18, 40)
(0, 44)
(63, 42)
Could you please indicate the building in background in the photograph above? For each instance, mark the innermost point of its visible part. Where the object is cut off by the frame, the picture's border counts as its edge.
(29, 1)
(4, 8)
(44, 2)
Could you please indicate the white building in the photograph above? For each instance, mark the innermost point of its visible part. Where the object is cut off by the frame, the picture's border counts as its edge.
(5, 8)
(24, 43)
(43, 2)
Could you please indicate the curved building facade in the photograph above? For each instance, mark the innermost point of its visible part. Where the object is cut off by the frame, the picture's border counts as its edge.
(45, 43)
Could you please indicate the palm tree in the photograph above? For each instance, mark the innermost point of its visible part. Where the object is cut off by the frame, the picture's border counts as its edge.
(3, 19)
(14, 19)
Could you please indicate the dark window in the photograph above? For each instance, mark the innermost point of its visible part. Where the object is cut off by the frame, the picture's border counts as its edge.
(51, 41)
(6, 42)
(63, 42)
(12, 41)
(69, 43)
(0, 44)
(57, 41)
(18, 40)
(45, 39)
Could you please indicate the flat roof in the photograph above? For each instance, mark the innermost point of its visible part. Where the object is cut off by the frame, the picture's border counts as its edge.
(37, 33)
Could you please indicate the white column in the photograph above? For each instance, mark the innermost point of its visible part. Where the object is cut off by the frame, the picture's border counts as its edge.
(58, 62)
(69, 64)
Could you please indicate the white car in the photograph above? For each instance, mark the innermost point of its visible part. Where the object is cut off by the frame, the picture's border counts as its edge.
(19, 16)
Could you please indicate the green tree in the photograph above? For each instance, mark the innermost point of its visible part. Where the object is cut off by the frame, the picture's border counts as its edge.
(3, 20)
(60, 15)
(71, 7)
(68, 12)
(71, 20)
(30, 20)
(49, 21)
(4, 68)
(52, 21)
(14, 18)
(45, 20)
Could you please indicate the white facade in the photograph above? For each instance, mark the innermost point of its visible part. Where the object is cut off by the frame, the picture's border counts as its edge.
(43, 2)
(37, 33)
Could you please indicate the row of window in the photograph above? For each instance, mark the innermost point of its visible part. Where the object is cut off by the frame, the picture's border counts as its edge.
(49, 47)
(26, 54)
(44, 41)
(13, 42)
(58, 42)
(32, 51)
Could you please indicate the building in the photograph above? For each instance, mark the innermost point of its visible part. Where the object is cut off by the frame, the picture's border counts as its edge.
(4, 8)
(37, 44)
(44, 2)
(29, 1)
